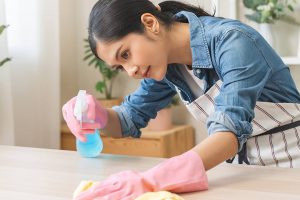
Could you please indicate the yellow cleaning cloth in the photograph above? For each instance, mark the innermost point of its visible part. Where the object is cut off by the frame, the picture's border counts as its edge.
(83, 186)
(163, 195)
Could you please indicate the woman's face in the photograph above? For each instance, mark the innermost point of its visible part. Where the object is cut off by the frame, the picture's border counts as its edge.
(140, 56)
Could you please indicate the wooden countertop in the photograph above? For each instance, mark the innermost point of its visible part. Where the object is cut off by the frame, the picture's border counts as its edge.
(44, 174)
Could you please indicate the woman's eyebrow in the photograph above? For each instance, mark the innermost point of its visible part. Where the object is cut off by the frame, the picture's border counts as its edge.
(117, 53)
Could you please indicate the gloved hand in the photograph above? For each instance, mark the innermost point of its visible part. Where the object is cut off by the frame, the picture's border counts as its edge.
(95, 113)
(183, 173)
(162, 195)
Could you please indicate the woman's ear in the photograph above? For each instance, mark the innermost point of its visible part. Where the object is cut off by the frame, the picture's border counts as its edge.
(158, 7)
(150, 23)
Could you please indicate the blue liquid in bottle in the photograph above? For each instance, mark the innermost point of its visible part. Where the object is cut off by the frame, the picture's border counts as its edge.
(92, 147)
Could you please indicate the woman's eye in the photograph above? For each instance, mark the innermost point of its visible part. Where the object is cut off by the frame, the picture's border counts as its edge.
(125, 55)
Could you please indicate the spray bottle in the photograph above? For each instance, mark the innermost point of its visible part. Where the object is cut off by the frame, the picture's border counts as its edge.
(93, 146)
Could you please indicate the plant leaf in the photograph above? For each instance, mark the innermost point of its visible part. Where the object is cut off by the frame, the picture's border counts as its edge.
(88, 56)
(290, 7)
(92, 61)
(87, 51)
(4, 61)
(107, 73)
(252, 4)
(2, 28)
(100, 85)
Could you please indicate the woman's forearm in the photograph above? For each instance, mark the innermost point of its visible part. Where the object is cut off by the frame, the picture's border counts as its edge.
(217, 148)
(213, 150)
(113, 126)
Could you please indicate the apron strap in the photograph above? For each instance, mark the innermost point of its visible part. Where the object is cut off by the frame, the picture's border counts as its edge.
(281, 128)
(242, 156)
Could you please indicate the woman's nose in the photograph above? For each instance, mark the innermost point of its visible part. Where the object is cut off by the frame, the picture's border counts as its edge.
(132, 71)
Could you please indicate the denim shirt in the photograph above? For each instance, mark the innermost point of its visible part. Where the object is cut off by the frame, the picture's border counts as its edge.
(222, 49)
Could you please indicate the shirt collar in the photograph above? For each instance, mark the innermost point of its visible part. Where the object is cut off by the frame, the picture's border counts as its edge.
(200, 53)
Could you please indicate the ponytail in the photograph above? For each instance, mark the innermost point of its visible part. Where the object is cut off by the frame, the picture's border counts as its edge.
(174, 7)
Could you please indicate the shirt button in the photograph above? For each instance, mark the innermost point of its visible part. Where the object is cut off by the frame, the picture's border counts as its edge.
(198, 71)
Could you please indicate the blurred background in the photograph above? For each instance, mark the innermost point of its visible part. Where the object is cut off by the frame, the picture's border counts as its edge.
(45, 41)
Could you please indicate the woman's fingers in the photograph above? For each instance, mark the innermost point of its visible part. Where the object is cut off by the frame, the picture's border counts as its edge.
(97, 191)
(88, 126)
(91, 113)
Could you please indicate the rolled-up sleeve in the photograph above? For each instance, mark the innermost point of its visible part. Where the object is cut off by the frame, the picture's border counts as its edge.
(244, 72)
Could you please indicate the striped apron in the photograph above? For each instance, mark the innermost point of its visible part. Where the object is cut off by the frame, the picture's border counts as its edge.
(275, 140)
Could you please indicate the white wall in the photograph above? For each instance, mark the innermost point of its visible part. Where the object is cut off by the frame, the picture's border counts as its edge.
(7, 136)
(46, 43)
(68, 50)
(33, 43)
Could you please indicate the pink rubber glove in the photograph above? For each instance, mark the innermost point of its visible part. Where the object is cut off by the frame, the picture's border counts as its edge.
(183, 173)
(95, 112)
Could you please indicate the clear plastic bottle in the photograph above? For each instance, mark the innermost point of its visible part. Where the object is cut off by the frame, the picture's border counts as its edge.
(92, 147)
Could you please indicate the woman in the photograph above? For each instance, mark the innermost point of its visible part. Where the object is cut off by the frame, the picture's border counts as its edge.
(224, 72)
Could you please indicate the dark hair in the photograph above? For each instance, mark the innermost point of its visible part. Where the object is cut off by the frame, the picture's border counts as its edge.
(113, 19)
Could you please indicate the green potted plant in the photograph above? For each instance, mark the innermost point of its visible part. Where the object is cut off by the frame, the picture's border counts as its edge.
(267, 12)
(163, 120)
(105, 85)
(5, 60)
